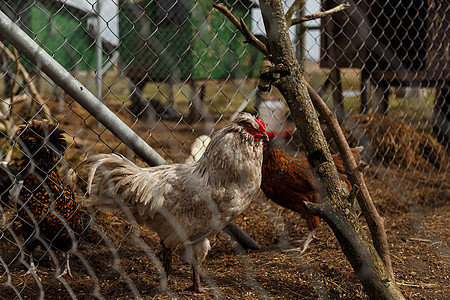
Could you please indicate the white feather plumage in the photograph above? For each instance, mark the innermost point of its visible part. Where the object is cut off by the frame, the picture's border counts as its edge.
(185, 203)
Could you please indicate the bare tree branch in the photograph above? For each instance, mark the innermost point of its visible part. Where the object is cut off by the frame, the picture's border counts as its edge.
(346, 226)
(14, 83)
(242, 27)
(374, 220)
(334, 10)
(377, 280)
(315, 208)
(291, 12)
(26, 76)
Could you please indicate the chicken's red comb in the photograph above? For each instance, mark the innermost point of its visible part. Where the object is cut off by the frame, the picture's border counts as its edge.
(262, 125)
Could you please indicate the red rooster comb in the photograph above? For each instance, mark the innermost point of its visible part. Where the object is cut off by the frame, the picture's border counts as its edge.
(262, 125)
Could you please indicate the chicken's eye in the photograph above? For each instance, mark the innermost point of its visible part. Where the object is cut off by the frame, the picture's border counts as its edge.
(250, 129)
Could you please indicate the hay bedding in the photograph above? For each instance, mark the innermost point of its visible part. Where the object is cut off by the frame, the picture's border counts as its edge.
(391, 142)
(418, 257)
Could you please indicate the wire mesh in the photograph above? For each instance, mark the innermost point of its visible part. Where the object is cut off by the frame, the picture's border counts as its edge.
(176, 71)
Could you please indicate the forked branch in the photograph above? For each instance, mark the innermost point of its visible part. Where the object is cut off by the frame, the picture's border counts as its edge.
(374, 220)
(27, 78)
(242, 27)
(291, 11)
(323, 14)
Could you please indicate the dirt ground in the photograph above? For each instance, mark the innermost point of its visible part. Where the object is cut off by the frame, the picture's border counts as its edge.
(117, 261)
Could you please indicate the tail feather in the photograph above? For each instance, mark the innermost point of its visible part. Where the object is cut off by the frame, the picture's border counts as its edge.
(107, 178)
(114, 181)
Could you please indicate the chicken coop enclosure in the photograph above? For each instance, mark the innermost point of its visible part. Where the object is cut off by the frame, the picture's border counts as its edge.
(152, 79)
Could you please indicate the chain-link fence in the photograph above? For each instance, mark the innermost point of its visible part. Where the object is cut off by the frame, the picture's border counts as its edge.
(175, 70)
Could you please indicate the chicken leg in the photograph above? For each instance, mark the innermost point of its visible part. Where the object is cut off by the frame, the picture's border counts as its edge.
(167, 260)
(196, 279)
(308, 240)
(32, 270)
(199, 252)
(67, 268)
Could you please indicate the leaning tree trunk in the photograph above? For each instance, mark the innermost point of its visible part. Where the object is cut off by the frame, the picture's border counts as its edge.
(335, 210)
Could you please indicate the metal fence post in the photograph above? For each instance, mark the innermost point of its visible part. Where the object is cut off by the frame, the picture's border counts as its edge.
(77, 91)
(93, 105)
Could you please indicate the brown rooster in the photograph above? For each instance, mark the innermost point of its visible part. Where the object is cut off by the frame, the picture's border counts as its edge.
(289, 182)
(46, 206)
(187, 203)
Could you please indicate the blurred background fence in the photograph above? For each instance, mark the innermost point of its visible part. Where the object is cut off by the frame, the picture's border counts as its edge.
(174, 70)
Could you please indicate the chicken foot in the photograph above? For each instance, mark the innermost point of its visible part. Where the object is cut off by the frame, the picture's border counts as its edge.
(33, 269)
(308, 240)
(199, 252)
(67, 268)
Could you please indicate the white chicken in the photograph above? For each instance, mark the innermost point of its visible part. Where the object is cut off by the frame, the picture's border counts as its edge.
(187, 203)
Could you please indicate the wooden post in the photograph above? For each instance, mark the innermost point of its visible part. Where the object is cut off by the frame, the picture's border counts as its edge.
(300, 34)
(198, 110)
(381, 94)
(141, 107)
(338, 98)
(441, 115)
(365, 92)
(335, 75)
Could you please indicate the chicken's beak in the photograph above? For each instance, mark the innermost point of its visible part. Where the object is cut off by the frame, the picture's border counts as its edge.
(265, 138)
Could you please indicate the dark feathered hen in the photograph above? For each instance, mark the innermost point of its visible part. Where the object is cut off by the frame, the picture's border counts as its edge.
(46, 206)
(187, 203)
(289, 182)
